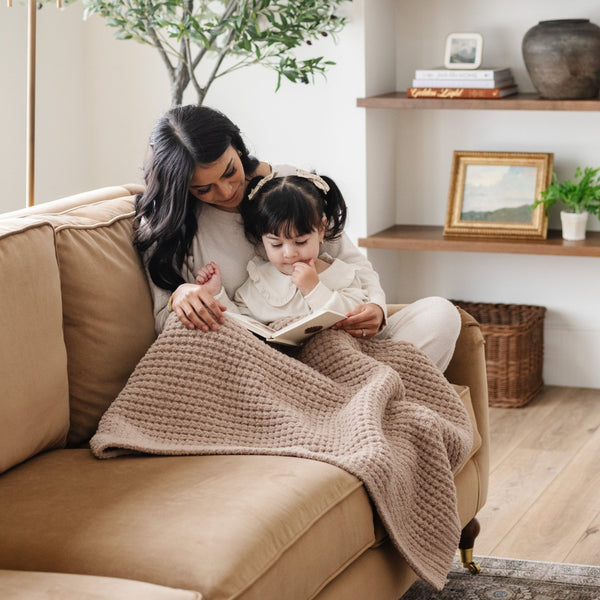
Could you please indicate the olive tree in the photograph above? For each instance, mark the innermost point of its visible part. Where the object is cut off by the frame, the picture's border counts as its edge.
(202, 40)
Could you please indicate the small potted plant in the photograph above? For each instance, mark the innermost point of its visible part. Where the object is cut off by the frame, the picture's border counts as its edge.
(578, 197)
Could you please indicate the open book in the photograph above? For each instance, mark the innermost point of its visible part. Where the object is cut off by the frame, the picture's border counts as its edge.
(294, 334)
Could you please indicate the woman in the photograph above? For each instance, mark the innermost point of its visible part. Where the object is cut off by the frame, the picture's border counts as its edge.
(196, 178)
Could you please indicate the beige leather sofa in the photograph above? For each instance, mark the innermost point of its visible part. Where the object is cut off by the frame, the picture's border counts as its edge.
(75, 316)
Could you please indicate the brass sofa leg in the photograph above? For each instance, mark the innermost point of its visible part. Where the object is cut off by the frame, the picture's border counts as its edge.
(466, 545)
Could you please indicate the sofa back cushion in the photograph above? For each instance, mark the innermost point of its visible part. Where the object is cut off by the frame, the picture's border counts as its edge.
(55, 207)
(107, 307)
(34, 401)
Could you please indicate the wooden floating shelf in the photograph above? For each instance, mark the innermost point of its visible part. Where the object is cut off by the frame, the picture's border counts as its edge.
(428, 237)
(398, 100)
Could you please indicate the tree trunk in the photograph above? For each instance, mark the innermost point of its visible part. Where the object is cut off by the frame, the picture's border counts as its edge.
(177, 89)
(179, 82)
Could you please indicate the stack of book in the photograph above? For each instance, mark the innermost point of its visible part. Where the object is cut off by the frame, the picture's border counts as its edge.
(492, 82)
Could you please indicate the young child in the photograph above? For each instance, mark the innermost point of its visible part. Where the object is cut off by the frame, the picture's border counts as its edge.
(291, 216)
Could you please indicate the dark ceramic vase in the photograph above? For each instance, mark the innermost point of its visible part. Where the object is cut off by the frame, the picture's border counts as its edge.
(563, 58)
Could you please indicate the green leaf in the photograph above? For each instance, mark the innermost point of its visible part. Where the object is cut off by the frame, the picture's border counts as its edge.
(576, 196)
(267, 32)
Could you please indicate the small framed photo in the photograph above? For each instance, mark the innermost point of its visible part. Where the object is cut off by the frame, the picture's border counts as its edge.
(463, 51)
(491, 194)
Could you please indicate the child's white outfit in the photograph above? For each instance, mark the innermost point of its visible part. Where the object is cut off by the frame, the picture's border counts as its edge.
(268, 295)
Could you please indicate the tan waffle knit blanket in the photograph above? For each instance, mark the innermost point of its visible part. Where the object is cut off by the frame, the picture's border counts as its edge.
(377, 409)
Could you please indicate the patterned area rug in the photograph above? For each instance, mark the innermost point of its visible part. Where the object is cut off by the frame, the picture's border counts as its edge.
(511, 579)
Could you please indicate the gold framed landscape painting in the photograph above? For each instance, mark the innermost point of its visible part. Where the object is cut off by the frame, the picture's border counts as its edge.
(491, 194)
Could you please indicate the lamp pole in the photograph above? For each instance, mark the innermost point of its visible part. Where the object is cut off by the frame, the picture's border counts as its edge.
(30, 129)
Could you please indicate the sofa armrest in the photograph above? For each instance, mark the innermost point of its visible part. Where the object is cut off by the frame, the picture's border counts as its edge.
(467, 367)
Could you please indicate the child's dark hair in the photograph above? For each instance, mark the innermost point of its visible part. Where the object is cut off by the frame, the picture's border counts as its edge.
(292, 205)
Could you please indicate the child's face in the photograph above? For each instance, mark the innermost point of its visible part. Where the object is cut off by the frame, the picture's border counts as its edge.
(283, 252)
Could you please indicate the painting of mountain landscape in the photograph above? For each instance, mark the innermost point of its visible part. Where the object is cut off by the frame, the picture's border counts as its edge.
(498, 193)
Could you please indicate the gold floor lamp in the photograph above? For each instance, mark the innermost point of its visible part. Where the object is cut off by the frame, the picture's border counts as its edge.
(30, 129)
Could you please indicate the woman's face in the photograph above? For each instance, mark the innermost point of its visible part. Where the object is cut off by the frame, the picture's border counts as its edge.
(221, 183)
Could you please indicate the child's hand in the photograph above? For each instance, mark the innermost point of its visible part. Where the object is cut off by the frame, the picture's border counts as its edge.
(209, 277)
(304, 276)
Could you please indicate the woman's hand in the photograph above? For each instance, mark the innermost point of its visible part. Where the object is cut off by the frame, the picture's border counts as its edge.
(196, 308)
(364, 321)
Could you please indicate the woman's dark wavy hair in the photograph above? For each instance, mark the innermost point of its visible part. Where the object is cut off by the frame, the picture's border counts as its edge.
(184, 137)
(293, 206)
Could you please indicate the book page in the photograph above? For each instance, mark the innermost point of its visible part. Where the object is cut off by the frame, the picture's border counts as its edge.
(295, 333)
(252, 324)
(301, 330)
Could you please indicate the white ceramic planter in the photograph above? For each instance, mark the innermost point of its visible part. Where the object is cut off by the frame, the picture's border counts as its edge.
(573, 225)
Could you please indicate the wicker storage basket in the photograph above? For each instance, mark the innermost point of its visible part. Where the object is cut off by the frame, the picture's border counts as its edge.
(514, 350)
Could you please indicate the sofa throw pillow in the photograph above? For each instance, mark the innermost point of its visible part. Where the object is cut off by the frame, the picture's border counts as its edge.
(107, 307)
(34, 408)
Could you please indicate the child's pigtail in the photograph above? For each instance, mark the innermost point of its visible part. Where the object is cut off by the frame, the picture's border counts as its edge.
(334, 207)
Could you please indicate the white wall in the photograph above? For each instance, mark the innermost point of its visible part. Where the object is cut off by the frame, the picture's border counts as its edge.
(62, 142)
(98, 98)
(426, 139)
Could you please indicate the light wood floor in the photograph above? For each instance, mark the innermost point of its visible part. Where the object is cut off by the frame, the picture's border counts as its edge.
(544, 496)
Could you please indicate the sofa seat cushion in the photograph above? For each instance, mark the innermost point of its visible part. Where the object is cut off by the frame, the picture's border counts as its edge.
(244, 527)
(25, 585)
